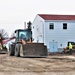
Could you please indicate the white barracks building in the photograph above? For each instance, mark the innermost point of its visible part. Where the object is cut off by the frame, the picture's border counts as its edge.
(55, 31)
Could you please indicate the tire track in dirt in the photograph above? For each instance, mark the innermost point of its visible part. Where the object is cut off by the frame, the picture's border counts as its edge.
(18, 64)
(60, 64)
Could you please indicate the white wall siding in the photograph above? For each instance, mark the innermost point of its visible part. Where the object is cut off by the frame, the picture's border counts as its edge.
(58, 34)
(37, 29)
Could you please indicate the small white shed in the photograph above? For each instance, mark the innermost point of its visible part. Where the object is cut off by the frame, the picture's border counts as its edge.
(55, 31)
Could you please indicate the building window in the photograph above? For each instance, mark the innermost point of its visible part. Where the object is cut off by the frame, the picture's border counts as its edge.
(64, 25)
(51, 26)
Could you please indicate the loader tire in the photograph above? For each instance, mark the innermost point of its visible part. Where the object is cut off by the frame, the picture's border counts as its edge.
(11, 50)
(17, 50)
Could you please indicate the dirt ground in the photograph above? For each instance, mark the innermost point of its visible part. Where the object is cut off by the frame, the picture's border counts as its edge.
(52, 65)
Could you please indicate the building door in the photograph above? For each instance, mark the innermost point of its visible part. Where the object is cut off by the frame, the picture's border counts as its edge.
(53, 47)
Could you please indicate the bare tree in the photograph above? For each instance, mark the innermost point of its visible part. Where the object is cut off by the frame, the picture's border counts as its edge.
(3, 35)
(12, 35)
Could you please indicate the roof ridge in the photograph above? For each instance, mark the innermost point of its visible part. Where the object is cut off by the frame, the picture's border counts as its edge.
(58, 14)
(57, 17)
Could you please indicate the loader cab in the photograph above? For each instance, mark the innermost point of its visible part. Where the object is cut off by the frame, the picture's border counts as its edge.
(24, 34)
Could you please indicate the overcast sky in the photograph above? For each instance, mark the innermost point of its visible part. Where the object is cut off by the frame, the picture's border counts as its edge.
(13, 13)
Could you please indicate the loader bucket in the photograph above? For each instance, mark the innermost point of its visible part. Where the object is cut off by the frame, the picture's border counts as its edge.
(35, 50)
